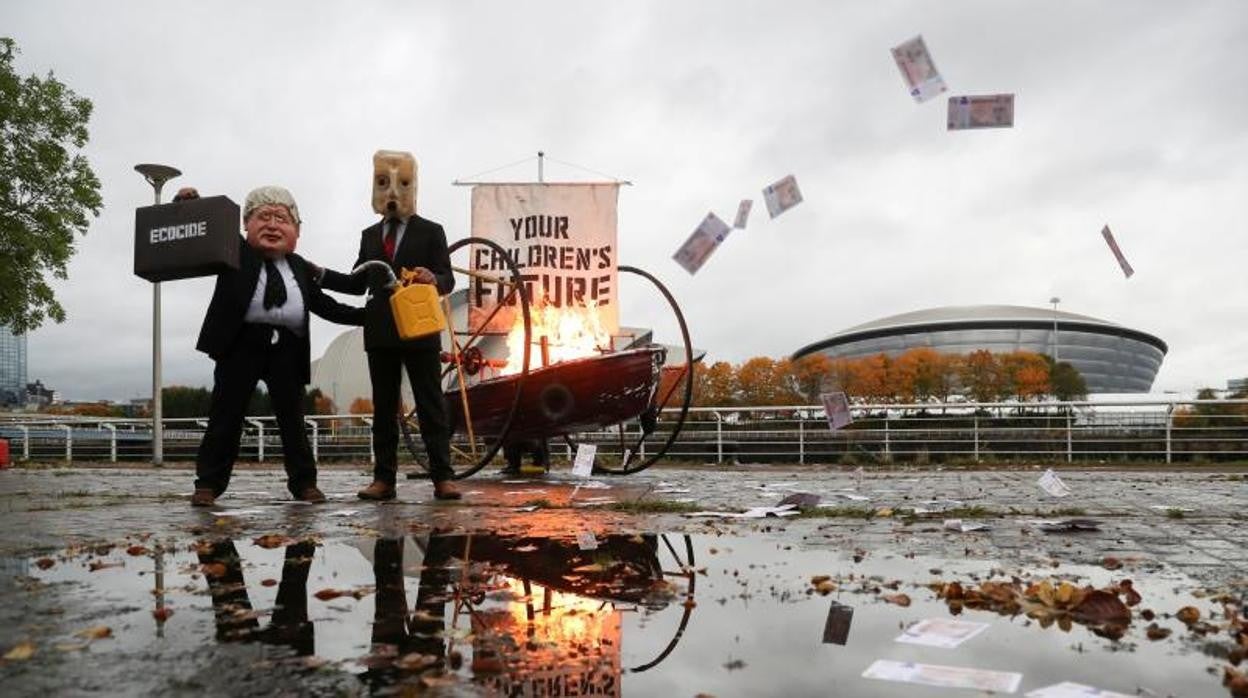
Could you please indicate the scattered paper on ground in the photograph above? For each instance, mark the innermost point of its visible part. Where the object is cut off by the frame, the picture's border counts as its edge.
(1051, 483)
(782, 196)
(918, 70)
(704, 240)
(965, 526)
(583, 465)
(1113, 247)
(941, 632)
(1053, 525)
(752, 513)
(585, 540)
(981, 111)
(1070, 689)
(945, 676)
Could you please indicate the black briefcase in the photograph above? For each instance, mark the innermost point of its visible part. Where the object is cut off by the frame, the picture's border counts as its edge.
(184, 239)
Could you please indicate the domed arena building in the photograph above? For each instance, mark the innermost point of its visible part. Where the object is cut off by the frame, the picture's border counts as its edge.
(1111, 358)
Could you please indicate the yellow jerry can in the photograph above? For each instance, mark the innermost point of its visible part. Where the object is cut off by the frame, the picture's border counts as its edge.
(417, 308)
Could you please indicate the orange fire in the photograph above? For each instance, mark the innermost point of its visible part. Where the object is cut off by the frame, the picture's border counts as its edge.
(571, 620)
(571, 333)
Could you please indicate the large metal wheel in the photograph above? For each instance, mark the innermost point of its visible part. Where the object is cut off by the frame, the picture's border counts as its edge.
(631, 447)
(470, 450)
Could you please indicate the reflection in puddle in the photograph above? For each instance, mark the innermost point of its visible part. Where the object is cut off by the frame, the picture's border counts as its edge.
(640, 614)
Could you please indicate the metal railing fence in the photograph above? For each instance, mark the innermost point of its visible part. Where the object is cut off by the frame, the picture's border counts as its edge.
(1158, 431)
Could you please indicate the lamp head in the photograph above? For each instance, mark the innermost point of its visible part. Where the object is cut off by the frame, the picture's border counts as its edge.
(157, 175)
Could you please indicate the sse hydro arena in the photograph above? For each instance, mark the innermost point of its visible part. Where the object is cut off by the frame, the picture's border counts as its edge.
(1111, 358)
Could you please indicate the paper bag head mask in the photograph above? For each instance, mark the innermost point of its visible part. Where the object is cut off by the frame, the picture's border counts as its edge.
(271, 219)
(394, 184)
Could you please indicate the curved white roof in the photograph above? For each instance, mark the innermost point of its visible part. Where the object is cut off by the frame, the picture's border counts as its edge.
(972, 313)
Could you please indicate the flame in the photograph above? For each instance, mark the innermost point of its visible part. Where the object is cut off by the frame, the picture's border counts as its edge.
(572, 620)
(571, 332)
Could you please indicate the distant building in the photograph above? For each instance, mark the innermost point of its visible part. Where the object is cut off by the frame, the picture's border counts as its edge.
(12, 367)
(37, 396)
(1111, 358)
(1237, 385)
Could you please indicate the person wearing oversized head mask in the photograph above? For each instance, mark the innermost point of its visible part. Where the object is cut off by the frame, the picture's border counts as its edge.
(405, 241)
(256, 328)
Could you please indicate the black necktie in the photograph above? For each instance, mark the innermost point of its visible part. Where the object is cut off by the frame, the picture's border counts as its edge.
(274, 287)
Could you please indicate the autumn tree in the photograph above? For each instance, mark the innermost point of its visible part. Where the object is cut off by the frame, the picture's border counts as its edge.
(48, 191)
(716, 385)
(809, 377)
(1024, 374)
(316, 402)
(981, 376)
(762, 382)
(868, 378)
(360, 405)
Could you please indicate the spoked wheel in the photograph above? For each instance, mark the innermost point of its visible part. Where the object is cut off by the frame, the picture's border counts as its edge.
(682, 384)
(684, 569)
(476, 438)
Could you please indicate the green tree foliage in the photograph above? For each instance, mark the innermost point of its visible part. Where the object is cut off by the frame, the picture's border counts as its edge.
(1066, 381)
(47, 190)
(180, 401)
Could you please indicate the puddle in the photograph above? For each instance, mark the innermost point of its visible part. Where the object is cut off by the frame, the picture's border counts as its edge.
(639, 615)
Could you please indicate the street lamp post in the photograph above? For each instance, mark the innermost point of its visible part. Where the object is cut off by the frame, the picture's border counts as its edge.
(156, 175)
(1055, 300)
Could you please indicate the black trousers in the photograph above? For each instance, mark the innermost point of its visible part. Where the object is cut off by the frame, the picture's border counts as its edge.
(393, 624)
(424, 372)
(255, 357)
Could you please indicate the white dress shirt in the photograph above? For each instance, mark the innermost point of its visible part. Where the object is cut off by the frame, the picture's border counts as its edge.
(290, 313)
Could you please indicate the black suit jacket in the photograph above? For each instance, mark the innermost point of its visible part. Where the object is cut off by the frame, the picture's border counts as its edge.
(233, 293)
(423, 245)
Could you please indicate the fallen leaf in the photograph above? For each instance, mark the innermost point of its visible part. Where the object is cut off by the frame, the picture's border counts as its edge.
(1235, 681)
(21, 652)
(271, 540)
(99, 632)
(1156, 632)
(97, 565)
(44, 563)
(327, 594)
(1127, 589)
(900, 599)
(1111, 563)
(268, 582)
(1188, 614)
(136, 550)
(214, 569)
(825, 587)
(162, 614)
(1102, 607)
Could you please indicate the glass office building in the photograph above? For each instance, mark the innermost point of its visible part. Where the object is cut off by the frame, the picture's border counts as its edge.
(12, 367)
(1111, 358)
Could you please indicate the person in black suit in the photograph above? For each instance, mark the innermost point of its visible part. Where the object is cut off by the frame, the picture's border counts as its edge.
(402, 240)
(256, 328)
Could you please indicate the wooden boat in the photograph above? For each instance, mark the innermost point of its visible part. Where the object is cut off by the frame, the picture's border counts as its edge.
(564, 398)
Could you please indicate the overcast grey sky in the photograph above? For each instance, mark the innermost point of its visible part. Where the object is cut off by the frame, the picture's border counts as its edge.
(1128, 113)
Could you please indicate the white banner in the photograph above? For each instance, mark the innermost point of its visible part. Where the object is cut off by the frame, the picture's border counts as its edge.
(563, 239)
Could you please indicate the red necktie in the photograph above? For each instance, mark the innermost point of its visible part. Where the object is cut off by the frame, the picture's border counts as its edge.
(392, 233)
